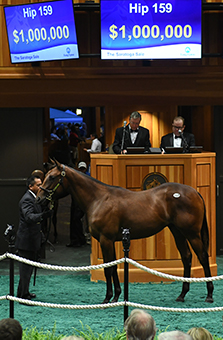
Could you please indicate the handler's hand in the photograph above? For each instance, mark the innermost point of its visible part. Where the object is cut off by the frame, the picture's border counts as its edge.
(47, 213)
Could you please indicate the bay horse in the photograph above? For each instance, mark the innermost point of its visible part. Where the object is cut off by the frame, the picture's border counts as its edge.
(110, 208)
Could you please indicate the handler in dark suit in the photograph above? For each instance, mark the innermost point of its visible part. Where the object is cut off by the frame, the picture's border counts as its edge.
(28, 240)
(134, 135)
(175, 139)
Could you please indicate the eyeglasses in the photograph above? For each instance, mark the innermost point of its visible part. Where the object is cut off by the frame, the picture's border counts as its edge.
(177, 127)
(134, 123)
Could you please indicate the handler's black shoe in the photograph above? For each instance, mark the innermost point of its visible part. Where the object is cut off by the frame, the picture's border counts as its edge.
(70, 244)
(27, 297)
(73, 244)
(32, 295)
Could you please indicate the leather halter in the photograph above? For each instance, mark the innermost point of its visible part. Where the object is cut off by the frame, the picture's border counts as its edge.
(51, 192)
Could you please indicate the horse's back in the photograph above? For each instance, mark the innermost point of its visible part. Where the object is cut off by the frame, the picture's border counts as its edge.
(175, 187)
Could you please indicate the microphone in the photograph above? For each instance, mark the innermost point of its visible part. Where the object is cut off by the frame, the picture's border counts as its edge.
(123, 136)
(181, 135)
(185, 145)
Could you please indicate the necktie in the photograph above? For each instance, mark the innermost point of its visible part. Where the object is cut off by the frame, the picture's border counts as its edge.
(177, 137)
(133, 130)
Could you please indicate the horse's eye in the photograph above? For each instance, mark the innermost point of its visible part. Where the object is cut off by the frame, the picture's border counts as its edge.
(51, 178)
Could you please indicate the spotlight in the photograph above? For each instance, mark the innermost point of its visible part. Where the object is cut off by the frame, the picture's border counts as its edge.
(78, 112)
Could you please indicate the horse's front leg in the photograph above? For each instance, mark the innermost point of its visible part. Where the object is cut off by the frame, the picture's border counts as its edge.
(107, 247)
(186, 258)
(117, 286)
(54, 220)
(109, 292)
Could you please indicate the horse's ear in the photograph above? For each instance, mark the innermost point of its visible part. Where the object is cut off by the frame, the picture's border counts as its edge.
(51, 160)
(57, 164)
(48, 166)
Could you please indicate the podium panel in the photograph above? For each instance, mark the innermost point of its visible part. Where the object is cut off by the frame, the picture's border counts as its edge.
(158, 252)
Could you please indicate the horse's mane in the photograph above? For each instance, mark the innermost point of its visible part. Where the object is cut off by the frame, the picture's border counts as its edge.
(87, 176)
(94, 179)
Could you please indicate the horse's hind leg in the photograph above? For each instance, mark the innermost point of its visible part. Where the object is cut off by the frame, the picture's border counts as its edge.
(207, 271)
(116, 281)
(202, 255)
(186, 257)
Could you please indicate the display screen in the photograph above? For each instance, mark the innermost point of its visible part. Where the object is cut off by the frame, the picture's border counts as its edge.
(151, 29)
(41, 31)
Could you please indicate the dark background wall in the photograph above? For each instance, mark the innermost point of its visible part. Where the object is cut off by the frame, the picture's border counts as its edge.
(21, 150)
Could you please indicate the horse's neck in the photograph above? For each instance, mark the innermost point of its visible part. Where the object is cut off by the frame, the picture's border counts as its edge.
(82, 188)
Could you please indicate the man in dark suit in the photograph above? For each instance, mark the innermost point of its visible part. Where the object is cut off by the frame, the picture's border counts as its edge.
(28, 240)
(134, 135)
(178, 138)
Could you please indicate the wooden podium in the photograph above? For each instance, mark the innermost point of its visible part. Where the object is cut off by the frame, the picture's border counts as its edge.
(158, 252)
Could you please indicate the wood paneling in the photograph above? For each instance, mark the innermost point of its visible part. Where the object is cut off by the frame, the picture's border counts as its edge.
(203, 175)
(105, 174)
(202, 126)
(136, 174)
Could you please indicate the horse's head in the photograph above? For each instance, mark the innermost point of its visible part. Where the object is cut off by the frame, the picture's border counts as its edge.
(53, 186)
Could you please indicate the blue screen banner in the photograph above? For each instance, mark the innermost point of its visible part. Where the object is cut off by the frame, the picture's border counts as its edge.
(150, 29)
(41, 31)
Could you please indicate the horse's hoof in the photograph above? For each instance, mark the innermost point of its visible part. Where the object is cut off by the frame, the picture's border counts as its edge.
(180, 299)
(209, 299)
(105, 301)
(114, 300)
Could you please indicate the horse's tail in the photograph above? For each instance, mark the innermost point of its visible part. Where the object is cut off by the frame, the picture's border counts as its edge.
(204, 228)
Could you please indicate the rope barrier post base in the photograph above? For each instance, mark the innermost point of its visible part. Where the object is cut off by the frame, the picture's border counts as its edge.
(10, 238)
(126, 246)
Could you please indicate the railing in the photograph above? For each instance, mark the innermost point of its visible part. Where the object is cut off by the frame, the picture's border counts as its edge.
(125, 260)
